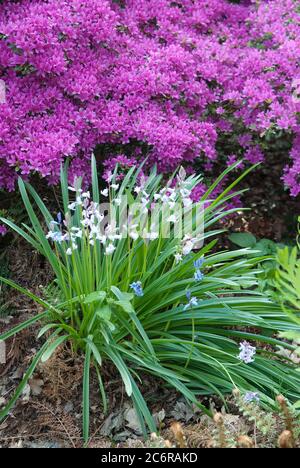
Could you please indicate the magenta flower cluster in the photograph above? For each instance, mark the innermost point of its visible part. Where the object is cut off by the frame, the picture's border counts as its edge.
(171, 77)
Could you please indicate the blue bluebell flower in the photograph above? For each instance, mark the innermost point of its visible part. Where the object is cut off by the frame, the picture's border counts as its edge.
(199, 263)
(59, 218)
(137, 288)
(193, 301)
(198, 275)
(251, 397)
(188, 294)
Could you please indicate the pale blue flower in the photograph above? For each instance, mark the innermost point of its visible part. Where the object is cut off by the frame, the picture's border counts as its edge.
(199, 263)
(193, 301)
(137, 288)
(198, 275)
(57, 236)
(251, 397)
(59, 218)
(247, 352)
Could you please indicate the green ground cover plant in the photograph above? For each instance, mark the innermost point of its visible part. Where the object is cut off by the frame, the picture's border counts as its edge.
(174, 307)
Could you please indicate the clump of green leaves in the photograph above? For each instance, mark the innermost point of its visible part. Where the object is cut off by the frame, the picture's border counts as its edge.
(171, 307)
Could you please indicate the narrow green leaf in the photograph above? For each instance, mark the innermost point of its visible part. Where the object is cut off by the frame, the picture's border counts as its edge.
(22, 326)
(95, 183)
(102, 390)
(27, 293)
(64, 186)
(122, 368)
(21, 233)
(46, 328)
(86, 395)
(52, 347)
(94, 350)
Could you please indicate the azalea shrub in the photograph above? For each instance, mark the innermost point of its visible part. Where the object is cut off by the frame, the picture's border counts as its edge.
(178, 82)
(152, 294)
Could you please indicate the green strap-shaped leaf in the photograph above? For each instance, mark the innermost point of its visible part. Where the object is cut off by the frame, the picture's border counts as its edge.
(64, 185)
(22, 233)
(29, 294)
(94, 350)
(86, 395)
(95, 183)
(14, 331)
(122, 368)
(52, 347)
(38, 229)
(102, 390)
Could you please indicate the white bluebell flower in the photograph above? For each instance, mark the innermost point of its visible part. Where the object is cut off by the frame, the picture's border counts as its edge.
(185, 193)
(187, 247)
(247, 352)
(178, 258)
(74, 189)
(110, 249)
(105, 192)
(187, 202)
(137, 190)
(134, 235)
(172, 219)
(117, 201)
(57, 236)
(72, 206)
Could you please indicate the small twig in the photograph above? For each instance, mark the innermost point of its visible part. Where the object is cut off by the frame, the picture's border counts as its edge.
(59, 421)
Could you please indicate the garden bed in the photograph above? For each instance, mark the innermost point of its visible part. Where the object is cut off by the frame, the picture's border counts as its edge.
(48, 414)
(149, 223)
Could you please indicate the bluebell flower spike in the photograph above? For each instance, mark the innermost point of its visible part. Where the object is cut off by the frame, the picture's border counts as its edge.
(199, 263)
(137, 288)
(247, 352)
(198, 275)
(59, 218)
